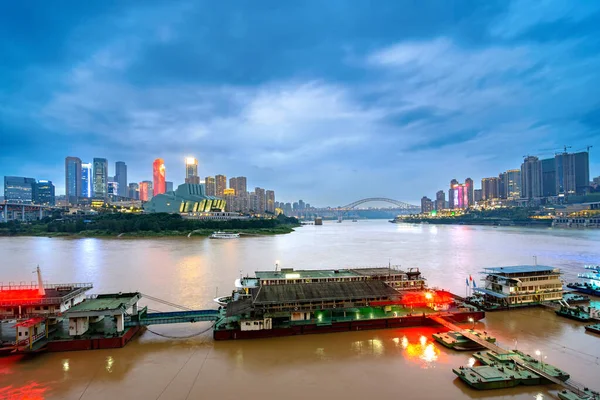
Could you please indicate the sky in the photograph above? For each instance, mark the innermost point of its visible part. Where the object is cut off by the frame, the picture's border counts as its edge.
(325, 101)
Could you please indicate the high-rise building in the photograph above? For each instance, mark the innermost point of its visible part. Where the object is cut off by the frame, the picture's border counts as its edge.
(531, 178)
(191, 171)
(478, 195)
(209, 186)
(572, 173)
(469, 188)
(146, 190)
(451, 196)
(169, 186)
(440, 200)
(270, 199)
(261, 201)
(134, 191)
(86, 180)
(159, 177)
(489, 188)
(510, 184)
(72, 179)
(18, 189)
(426, 205)
(239, 184)
(121, 178)
(549, 177)
(100, 178)
(233, 184)
(502, 186)
(43, 193)
(220, 185)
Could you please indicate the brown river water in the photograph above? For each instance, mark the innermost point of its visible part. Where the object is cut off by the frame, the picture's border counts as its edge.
(384, 364)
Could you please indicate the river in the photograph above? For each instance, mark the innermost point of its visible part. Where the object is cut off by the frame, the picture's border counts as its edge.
(385, 364)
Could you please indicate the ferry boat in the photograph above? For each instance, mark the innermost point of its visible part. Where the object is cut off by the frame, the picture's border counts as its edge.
(590, 283)
(595, 328)
(224, 235)
(296, 302)
(458, 341)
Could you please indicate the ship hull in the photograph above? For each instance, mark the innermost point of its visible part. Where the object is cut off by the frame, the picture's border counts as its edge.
(345, 326)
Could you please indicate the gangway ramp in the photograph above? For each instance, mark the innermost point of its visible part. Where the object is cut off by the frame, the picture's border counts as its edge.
(143, 318)
(570, 384)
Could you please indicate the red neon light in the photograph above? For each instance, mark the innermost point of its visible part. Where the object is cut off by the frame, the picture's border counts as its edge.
(19, 294)
(424, 298)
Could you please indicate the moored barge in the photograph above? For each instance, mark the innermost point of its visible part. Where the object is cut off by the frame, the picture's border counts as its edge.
(297, 302)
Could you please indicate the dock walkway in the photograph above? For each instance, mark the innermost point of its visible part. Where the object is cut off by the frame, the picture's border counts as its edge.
(175, 317)
(570, 384)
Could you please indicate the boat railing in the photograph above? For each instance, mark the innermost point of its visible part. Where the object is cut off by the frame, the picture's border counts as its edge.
(34, 286)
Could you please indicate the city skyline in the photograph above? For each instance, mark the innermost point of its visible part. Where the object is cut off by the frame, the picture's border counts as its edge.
(381, 100)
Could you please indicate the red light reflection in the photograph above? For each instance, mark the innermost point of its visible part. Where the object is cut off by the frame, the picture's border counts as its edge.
(30, 391)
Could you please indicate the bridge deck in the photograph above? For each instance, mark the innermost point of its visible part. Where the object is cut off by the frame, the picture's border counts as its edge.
(570, 384)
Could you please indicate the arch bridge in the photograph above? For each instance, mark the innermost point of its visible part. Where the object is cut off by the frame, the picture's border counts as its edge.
(397, 203)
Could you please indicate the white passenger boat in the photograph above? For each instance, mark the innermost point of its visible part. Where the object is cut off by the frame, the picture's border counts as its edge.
(224, 235)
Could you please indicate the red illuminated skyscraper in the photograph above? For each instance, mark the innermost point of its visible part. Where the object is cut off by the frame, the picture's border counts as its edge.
(158, 172)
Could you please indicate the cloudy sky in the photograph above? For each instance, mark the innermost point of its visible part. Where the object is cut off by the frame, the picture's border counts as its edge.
(328, 101)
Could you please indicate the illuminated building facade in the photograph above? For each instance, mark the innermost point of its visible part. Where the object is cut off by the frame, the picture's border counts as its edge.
(191, 171)
(18, 189)
(210, 186)
(159, 175)
(187, 198)
(220, 185)
(459, 194)
(512, 184)
(86, 181)
(531, 178)
(43, 193)
(490, 188)
(100, 172)
(73, 179)
(146, 191)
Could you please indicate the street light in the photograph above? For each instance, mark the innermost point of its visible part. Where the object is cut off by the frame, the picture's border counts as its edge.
(539, 354)
(473, 322)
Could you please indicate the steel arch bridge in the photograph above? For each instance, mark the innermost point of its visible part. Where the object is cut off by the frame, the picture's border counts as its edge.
(399, 204)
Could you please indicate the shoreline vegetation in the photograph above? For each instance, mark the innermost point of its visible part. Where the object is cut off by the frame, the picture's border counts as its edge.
(120, 225)
(498, 217)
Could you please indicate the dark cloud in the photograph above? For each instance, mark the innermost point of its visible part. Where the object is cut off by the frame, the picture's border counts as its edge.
(306, 98)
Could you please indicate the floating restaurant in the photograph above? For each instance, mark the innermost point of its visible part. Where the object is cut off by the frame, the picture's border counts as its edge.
(515, 286)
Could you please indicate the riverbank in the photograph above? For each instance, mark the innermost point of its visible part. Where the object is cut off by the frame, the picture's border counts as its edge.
(538, 223)
(146, 225)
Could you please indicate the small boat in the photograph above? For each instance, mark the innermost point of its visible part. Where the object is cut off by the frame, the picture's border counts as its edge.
(593, 328)
(457, 341)
(224, 235)
(577, 313)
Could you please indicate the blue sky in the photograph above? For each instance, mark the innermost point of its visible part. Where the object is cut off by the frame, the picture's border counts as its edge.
(329, 101)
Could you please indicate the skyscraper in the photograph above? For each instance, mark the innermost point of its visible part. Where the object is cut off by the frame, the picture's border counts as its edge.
(146, 190)
(72, 179)
(191, 170)
(549, 177)
(134, 191)
(440, 200)
(233, 184)
(270, 199)
(531, 178)
(86, 180)
(512, 184)
(239, 184)
(489, 188)
(159, 175)
(121, 178)
(113, 188)
(478, 195)
(572, 173)
(261, 200)
(209, 186)
(100, 178)
(220, 185)
(43, 193)
(469, 188)
(18, 189)
(453, 183)
(502, 185)
(426, 205)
